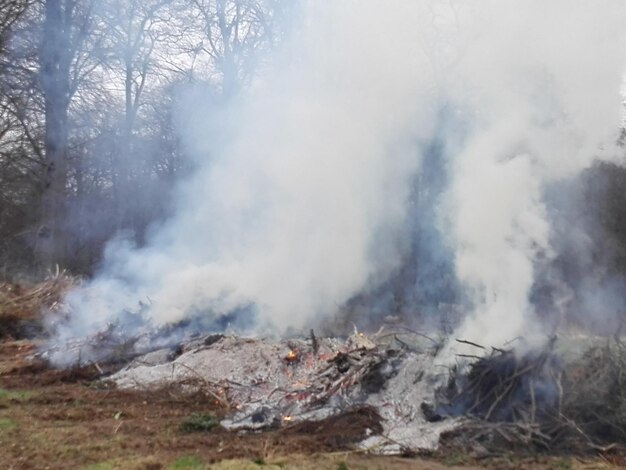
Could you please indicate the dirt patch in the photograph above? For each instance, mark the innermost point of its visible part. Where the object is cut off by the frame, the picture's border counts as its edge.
(39, 374)
(69, 426)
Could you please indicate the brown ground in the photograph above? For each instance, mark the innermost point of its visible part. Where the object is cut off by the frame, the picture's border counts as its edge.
(70, 419)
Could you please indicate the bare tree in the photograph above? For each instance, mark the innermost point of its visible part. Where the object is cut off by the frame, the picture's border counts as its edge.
(139, 33)
(10, 13)
(234, 33)
(87, 97)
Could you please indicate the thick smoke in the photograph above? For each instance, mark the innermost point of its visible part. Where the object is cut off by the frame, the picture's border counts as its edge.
(303, 193)
(298, 201)
(544, 83)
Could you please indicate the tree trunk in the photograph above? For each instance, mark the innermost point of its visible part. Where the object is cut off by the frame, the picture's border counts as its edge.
(55, 83)
(123, 164)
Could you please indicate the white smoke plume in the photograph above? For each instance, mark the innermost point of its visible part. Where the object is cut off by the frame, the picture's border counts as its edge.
(543, 80)
(303, 204)
(302, 201)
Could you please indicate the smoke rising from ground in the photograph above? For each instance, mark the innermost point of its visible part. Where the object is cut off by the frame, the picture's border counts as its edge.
(544, 81)
(301, 198)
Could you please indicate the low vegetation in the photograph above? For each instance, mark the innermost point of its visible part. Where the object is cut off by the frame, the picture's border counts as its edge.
(199, 422)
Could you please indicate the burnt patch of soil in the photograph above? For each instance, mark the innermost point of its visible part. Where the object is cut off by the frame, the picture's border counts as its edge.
(342, 431)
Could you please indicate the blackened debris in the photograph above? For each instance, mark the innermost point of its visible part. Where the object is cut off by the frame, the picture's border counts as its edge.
(212, 339)
(175, 351)
(428, 410)
(342, 362)
(504, 386)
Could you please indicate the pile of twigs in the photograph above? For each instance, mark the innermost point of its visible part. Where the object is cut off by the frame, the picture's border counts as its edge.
(504, 386)
(517, 400)
(21, 306)
(594, 399)
(343, 371)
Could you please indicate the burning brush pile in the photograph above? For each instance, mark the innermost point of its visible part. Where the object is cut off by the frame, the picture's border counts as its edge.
(553, 398)
(273, 383)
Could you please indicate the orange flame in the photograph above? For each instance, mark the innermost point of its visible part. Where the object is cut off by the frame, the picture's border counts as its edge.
(291, 356)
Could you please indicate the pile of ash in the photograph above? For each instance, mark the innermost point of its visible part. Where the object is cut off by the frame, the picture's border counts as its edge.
(269, 383)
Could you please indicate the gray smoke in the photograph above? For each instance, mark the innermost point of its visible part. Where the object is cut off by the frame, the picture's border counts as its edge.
(303, 190)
